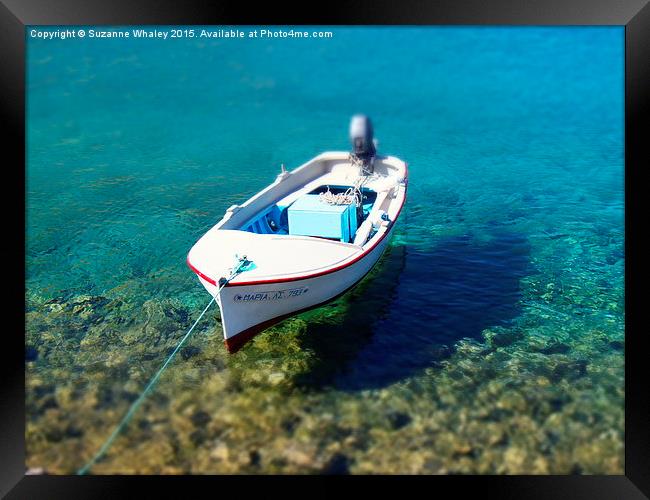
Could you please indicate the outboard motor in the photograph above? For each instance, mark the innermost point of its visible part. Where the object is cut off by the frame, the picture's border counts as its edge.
(363, 145)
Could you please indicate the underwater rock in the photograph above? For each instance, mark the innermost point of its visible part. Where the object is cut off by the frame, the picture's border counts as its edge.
(556, 404)
(555, 348)
(498, 439)
(619, 345)
(359, 440)
(338, 433)
(218, 364)
(552, 438)
(198, 437)
(55, 305)
(514, 459)
(87, 307)
(398, 419)
(128, 396)
(500, 337)
(463, 449)
(254, 458)
(220, 452)
(279, 462)
(299, 457)
(469, 347)
(200, 418)
(576, 469)
(31, 354)
(179, 315)
(72, 431)
(189, 352)
(497, 415)
(130, 337)
(54, 435)
(290, 423)
(570, 370)
(43, 390)
(582, 417)
(440, 353)
(48, 404)
(158, 324)
(512, 401)
(88, 301)
(338, 464)
(104, 398)
(144, 424)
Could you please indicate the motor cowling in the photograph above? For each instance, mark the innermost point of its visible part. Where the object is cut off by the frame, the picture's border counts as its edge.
(361, 137)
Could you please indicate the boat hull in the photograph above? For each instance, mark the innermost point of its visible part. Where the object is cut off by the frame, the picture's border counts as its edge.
(249, 309)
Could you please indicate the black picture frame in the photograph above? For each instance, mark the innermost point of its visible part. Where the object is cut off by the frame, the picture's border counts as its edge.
(16, 14)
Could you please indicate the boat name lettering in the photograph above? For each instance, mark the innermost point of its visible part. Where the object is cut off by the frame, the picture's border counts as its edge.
(270, 295)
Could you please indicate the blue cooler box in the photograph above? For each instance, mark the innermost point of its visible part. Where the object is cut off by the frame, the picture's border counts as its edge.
(308, 216)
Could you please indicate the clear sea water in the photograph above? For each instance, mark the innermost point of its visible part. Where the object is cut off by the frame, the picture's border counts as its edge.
(497, 311)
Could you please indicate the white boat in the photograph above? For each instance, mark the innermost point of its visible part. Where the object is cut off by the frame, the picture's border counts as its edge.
(304, 240)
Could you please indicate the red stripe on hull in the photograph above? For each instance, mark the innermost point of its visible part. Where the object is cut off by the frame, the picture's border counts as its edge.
(233, 344)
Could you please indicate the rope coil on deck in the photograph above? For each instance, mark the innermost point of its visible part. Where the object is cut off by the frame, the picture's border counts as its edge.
(241, 266)
(347, 198)
(353, 194)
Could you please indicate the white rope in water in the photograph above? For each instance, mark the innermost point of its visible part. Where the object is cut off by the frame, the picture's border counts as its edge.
(136, 404)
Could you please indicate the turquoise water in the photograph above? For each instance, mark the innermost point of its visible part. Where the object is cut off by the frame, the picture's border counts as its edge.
(498, 309)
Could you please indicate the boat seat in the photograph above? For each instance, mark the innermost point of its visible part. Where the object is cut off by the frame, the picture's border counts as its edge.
(363, 232)
(291, 197)
(373, 219)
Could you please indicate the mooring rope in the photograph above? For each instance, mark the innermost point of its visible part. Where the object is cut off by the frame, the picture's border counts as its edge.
(136, 404)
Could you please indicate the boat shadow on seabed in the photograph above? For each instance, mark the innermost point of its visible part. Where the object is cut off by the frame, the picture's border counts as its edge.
(408, 313)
